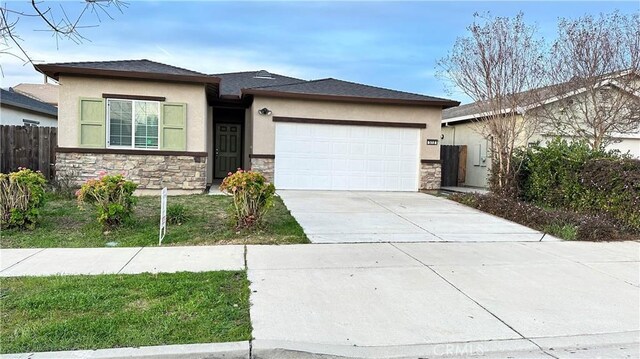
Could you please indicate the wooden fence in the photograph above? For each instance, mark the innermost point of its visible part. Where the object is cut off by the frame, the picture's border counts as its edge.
(28, 146)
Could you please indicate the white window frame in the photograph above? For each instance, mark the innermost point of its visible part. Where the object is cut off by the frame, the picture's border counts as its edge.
(133, 125)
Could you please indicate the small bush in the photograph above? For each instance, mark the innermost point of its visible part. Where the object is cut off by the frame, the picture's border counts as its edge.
(564, 224)
(21, 196)
(252, 196)
(112, 195)
(177, 213)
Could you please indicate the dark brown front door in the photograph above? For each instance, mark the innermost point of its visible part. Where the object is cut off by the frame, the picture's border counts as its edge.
(228, 145)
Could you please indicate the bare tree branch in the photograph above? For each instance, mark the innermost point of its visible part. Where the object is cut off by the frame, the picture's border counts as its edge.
(594, 64)
(60, 24)
(495, 65)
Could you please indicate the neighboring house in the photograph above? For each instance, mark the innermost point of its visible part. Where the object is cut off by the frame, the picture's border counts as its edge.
(20, 110)
(168, 126)
(45, 92)
(461, 126)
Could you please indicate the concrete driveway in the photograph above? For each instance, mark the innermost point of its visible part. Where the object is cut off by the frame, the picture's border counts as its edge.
(418, 300)
(352, 217)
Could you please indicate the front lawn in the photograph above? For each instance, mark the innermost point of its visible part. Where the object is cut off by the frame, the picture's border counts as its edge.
(109, 311)
(63, 224)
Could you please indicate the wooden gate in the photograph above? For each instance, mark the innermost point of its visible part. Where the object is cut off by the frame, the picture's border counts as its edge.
(454, 162)
(32, 147)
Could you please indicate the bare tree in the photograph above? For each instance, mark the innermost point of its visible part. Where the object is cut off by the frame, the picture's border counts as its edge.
(594, 66)
(59, 22)
(495, 64)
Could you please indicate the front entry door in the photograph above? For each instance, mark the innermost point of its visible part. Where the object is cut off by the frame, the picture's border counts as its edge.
(228, 144)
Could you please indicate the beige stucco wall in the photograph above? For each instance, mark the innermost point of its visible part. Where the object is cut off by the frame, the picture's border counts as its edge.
(263, 137)
(478, 155)
(72, 88)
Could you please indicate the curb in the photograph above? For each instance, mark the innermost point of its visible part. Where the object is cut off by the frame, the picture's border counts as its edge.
(232, 350)
(517, 348)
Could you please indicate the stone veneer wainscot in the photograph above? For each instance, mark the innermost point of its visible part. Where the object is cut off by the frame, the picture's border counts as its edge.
(263, 165)
(150, 171)
(430, 175)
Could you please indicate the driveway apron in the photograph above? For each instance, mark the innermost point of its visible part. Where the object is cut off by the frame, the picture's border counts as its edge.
(353, 217)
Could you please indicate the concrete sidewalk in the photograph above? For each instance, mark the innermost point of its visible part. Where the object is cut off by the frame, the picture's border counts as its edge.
(72, 261)
(388, 300)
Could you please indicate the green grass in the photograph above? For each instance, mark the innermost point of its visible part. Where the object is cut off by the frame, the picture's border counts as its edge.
(564, 231)
(108, 311)
(63, 224)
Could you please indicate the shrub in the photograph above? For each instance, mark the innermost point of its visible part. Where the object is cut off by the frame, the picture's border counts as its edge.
(112, 195)
(562, 223)
(574, 176)
(177, 213)
(252, 196)
(21, 196)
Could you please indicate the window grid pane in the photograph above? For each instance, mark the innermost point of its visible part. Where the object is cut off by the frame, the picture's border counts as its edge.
(146, 124)
(120, 123)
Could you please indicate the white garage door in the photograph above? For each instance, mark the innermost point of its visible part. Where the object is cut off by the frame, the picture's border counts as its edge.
(340, 157)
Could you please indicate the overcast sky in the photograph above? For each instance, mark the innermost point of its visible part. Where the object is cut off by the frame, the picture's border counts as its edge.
(388, 44)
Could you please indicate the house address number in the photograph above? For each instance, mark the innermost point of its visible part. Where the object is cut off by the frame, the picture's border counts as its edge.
(432, 141)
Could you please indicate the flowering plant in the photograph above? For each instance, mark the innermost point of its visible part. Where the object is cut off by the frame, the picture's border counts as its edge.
(21, 196)
(112, 195)
(252, 196)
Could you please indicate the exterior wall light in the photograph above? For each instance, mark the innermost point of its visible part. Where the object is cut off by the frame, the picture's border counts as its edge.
(264, 111)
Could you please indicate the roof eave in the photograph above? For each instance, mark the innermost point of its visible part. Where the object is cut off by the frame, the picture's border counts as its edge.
(54, 71)
(358, 99)
(29, 109)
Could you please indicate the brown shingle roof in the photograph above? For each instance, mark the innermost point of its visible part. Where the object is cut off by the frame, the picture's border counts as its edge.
(348, 91)
(232, 83)
(144, 69)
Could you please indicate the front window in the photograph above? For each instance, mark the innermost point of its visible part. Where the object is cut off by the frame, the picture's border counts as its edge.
(132, 123)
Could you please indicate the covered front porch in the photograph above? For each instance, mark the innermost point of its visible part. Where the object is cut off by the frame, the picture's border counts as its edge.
(228, 139)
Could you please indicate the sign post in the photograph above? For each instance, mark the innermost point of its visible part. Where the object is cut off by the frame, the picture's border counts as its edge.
(163, 215)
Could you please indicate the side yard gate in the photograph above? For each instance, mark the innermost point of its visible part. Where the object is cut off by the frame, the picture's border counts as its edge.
(454, 164)
(28, 146)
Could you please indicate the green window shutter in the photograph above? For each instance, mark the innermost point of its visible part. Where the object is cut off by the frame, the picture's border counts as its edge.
(173, 126)
(92, 123)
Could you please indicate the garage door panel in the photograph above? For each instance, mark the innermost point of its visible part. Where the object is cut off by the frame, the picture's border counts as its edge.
(336, 157)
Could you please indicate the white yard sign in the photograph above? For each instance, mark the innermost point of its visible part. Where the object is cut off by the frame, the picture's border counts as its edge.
(163, 215)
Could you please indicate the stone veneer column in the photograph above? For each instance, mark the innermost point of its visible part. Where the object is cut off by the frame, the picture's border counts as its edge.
(148, 171)
(264, 165)
(430, 175)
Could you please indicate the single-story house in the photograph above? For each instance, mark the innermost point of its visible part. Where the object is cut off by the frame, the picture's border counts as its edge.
(19, 110)
(166, 126)
(461, 127)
